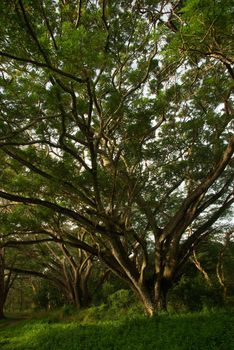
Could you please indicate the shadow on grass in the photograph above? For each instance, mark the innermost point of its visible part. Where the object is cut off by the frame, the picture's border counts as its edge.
(182, 332)
(11, 321)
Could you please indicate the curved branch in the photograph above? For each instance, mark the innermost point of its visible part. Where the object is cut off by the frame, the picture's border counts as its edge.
(202, 232)
(46, 175)
(43, 65)
(189, 206)
(57, 208)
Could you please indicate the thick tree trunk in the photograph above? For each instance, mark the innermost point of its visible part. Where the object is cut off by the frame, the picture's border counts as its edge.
(145, 297)
(161, 289)
(161, 302)
(153, 300)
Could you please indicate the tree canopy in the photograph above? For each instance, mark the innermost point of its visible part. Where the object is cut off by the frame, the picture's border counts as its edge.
(116, 118)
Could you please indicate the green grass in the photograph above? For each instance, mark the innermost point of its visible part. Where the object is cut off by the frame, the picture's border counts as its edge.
(192, 331)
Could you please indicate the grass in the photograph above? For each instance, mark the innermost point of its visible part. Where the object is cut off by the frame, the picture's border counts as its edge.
(191, 331)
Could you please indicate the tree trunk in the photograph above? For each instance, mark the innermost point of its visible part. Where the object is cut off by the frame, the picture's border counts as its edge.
(144, 296)
(2, 284)
(161, 290)
(84, 279)
(220, 265)
(150, 308)
(2, 302)
(153, 299)
(86, 299)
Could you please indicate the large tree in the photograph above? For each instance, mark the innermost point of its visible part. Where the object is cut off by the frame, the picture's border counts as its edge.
(117, 116)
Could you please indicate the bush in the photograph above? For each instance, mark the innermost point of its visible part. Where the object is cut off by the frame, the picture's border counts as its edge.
(121, 299)
(48, 297)
(121, 303)
(193, 294)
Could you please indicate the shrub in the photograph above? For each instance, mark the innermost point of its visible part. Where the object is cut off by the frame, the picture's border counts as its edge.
(193, 294)
(48, 297)
(121, 299)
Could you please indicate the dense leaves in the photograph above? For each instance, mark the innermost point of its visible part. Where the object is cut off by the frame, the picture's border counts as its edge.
(116, 117)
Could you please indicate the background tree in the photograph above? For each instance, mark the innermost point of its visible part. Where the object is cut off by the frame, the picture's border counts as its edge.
(207, 277)
(7, 275)
(37, 241)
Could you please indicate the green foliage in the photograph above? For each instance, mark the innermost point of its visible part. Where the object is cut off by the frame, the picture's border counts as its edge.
(206, 331)
(206, 27)
(47, 297)
(121, 303)
(193, 294)
(120, 299)
(107, 111)
(82, 48)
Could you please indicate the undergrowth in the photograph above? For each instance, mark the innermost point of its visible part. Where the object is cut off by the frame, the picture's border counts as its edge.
(97, 328)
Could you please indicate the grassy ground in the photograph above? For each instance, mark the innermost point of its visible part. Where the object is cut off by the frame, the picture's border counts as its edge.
(195, 331)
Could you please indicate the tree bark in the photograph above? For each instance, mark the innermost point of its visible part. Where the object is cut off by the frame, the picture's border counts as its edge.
(155, 298)
(2, 284)
(86, 298)
(161, 289)
(220, 264)
(145, 297)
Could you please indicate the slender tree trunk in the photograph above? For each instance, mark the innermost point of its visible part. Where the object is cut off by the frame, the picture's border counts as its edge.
(86, 298)
(2, 284)
(77, 295)
(2, 316)
(200, 268)
(76, 292)
(220, 264)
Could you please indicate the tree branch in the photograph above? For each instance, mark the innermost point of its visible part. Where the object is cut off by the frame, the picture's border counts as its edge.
(57, 208)
(187, 209)
(43, 65)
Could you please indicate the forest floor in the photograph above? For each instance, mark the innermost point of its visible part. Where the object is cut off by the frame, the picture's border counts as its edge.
(11, 322)
(190, 331)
